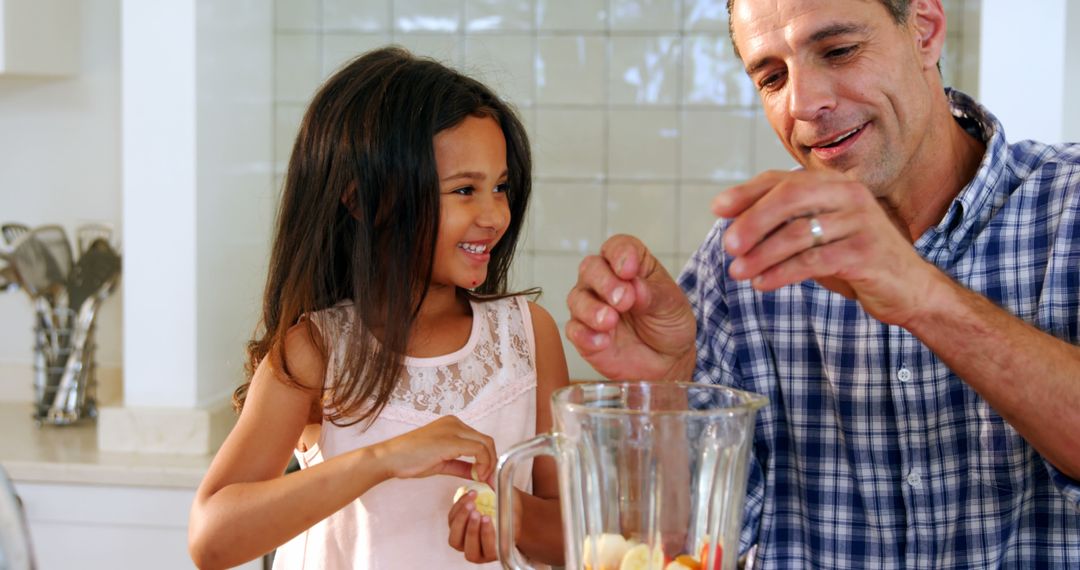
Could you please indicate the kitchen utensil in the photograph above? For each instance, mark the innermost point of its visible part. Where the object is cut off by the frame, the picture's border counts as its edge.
(59, 261)
(647, 472)
(12, 232)
(42, 260)
(97, 265)
(89, 285)
(87, 233)
(37, 270)
(8, 280)
(31, 259)
(71, 401)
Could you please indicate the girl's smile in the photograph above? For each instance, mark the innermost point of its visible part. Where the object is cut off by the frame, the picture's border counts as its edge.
(476, 250)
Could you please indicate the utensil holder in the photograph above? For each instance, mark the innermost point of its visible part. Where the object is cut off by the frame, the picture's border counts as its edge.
(53, 335)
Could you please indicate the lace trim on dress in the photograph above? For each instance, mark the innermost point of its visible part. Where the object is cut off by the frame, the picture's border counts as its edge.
(481, 408)
(501, 354)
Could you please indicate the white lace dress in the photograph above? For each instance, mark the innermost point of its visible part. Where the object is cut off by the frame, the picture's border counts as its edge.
(490, 384)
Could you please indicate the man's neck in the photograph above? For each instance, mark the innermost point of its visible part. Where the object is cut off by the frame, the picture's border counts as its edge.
(950, 158)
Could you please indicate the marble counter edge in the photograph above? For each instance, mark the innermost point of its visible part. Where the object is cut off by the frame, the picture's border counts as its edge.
(70, 455)
(22, 471)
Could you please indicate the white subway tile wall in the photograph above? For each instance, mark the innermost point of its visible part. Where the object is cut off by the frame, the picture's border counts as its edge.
(638, 110)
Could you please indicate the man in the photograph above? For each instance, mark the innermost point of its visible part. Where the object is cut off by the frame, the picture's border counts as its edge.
(909, 301)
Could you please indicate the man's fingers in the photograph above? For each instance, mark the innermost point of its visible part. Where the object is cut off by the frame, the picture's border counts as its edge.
(588, 308)
(733, 200)
(791, 199)
(626, 255)
(814, 263)
(586, 340)
(597, 280)
(790, 240)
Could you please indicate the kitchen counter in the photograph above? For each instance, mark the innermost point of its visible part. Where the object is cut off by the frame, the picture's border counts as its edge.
(70, 454)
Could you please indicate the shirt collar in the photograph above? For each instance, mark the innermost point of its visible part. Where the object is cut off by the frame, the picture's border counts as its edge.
(973, 206)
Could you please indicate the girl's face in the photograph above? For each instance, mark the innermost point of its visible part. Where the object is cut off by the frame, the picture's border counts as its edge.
(471, 162)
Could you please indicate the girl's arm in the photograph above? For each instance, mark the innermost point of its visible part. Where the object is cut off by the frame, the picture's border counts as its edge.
(245, 507)
(538, 521)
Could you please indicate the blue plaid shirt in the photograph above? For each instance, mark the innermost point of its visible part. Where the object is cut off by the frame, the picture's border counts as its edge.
(871, 452)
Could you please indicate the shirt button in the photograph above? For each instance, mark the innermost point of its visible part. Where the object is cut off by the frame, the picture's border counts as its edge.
(914, 479)
(903, 374)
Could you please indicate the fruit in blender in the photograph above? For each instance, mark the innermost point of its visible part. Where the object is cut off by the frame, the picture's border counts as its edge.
(641, 557)
(604, 552)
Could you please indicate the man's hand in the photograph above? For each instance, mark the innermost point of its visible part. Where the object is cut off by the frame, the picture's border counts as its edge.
(860, 251)
(628, 317)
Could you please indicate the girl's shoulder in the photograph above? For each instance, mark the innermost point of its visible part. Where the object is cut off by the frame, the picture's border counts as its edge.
(333, 321)
(333, 327)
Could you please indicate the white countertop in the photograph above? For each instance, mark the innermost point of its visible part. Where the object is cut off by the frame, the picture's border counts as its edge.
(69, 454)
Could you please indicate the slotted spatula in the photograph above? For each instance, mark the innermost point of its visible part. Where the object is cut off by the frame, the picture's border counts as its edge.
(13, 231)
(87, 233)
(42, 261)
(89, 283)
(10, 232)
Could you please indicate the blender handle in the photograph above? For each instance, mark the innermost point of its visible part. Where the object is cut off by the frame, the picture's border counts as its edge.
(543, 444)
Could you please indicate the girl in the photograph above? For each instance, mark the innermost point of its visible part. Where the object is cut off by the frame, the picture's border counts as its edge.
(391, 346)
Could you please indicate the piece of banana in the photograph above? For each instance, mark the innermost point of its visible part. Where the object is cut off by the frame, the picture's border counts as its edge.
(485, 497)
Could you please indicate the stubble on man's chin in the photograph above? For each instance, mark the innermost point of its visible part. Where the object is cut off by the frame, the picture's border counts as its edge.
(882, 190)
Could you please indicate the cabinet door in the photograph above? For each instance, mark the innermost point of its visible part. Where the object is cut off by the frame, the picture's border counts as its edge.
(103, 527)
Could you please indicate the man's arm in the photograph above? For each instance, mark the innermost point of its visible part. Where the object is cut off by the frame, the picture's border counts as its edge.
(1029, 377)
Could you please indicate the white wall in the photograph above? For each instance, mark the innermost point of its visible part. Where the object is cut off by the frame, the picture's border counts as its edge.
(197, 180)
(159, 179)
(60, 163)
(235, 200)
(197, 187)
(638, 110)
(1071, 131)
(1028, 75)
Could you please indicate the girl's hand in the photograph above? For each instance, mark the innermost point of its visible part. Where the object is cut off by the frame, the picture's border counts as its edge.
(473, 533)
(434, 450)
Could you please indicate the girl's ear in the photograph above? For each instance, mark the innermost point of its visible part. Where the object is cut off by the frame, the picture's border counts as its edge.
(928, 23)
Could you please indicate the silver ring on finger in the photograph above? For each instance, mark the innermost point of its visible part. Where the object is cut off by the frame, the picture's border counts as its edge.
(817, 233)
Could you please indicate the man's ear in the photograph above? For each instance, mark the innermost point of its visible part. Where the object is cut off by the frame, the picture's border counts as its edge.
(927, 20)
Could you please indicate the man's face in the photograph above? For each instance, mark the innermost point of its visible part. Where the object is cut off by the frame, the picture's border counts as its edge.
(841, 83)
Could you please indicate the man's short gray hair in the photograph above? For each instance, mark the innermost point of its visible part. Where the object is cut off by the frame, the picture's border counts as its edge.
(898, 9)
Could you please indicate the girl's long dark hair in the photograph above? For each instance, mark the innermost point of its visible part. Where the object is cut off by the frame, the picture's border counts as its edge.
(359, 216)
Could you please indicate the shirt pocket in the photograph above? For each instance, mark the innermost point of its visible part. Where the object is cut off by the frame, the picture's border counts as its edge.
(1004, 458)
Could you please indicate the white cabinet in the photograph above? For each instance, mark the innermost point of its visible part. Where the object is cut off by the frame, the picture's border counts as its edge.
(39, 37)
(93, 527)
